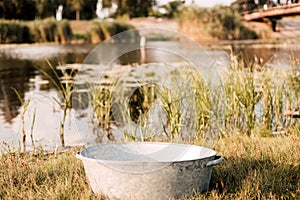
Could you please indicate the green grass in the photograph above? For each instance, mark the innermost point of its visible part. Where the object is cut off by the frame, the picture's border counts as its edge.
(256, 168)
(253, 168)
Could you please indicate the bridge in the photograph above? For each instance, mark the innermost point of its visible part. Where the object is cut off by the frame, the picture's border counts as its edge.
(272, 13)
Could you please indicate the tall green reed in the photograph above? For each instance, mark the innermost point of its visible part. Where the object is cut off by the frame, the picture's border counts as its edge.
(250, 99)
(259, 96)
(102, 107)
(24, 105)
(171, 103)
(64, 84)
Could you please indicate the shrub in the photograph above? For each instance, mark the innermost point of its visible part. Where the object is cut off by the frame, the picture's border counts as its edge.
(14, 32)
(50, 30)
(219, 22)
(103, 30)
(47, 30)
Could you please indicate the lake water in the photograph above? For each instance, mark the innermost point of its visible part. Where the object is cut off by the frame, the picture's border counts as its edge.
(19, 69)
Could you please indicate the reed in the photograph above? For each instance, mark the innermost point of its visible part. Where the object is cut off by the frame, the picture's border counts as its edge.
(241, 99)
(171, 103)
(64, 84)
(31, 128)
(259, 98)
(102, 106)
(250, 99)
(201, 100)
(24, 105)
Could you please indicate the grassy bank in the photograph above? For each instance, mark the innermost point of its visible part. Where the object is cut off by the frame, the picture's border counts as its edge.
(211, 24)
(253, 168)
(101, 31)
(14, 32)
(50, 30)
(47, 30)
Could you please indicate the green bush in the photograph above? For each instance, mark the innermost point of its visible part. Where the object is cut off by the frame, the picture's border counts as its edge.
(50, 30)
(47, 30)
(103, 30)
(219, 22)
(14, 32)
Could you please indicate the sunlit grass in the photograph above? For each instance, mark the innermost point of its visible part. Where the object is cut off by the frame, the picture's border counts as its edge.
(217, 23)
(253, 168)
(257, 168)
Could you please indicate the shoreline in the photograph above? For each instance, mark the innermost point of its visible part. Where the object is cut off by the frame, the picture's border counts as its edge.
(222, 44)
(286, 34)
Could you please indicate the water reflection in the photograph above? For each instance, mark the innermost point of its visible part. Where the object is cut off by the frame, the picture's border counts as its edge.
(278, 56)
(13, 74)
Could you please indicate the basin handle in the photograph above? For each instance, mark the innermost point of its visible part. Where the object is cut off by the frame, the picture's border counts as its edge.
(216, 161)
(79, 156)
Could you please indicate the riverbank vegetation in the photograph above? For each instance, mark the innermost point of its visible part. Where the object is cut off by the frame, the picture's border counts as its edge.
(250, 98)
(47, 30)
(50, 30)
(258, 139)
(13, 31)
(253, 168)
(101, 31)
(202, 24)
(217, 23)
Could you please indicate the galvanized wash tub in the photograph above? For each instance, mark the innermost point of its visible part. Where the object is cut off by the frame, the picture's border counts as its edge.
(148, 170)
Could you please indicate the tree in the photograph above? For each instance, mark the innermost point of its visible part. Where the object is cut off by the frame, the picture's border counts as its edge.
(17, 9)
(134, 8)
(139, 8)
(47, 8)
(122, 7)
(80, 9)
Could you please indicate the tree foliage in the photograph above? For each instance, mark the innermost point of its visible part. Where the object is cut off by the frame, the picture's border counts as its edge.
(72, 9)
(138, 8)
(17, 9)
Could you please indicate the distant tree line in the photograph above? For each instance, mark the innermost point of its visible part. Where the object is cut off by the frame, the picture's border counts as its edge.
(72, 9)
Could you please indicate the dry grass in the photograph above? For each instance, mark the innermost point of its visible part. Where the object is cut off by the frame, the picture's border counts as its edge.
(25, 176)
(257, 168)
(217, 23)
(253, 168)
(81, 27)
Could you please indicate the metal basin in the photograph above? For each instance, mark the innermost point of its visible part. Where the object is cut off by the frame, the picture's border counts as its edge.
(148, 170)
